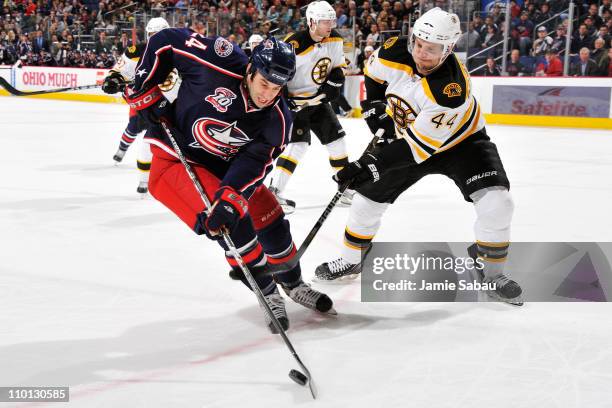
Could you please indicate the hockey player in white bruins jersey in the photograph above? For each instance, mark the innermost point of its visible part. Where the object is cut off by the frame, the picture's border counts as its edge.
(121, 74)
(433, 125)
(318, 80)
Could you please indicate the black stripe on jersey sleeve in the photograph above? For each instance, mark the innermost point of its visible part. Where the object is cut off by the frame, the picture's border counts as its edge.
(416, 140)
(463, 128)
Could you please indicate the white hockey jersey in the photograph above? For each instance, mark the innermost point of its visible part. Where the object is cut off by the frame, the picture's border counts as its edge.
(434, 112)
(315, 60)
(126, 66)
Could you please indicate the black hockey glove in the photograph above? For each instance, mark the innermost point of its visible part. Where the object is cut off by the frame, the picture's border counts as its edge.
(113, 83)
(371, 166)
(333, 85)
(375, 115)
(151, 105)
(228, 208)
(356, 173)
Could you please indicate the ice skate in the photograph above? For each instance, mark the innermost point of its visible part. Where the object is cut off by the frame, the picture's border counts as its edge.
(119, 156)
(288, 206)
(310, 298)
(506, 290)
(337, 270)
(277, 304)
(143, 187)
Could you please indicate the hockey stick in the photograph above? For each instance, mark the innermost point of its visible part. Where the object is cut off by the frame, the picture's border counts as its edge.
(16, 92)
(287, 266)
(302, 377)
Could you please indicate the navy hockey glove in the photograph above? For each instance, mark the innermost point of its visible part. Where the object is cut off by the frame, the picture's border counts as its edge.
(366, 169)
(113, 83)
(228, 208)
(375, 115)
(151, 105)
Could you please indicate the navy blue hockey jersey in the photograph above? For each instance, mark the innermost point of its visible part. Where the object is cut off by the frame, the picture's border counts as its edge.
(218, 125)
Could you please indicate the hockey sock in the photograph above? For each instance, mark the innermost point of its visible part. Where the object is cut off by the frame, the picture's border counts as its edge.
(252, 254)
(362, 225)
(126, 140)
(279, 247)
(493, 256)
(338, 158)
(287, 163)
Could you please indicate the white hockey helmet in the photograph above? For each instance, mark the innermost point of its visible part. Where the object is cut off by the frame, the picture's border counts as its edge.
(320, 10)
(439, 27)
(155, 25)
(255, 40)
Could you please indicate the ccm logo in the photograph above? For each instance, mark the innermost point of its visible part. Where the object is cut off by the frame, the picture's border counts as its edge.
(482, 175)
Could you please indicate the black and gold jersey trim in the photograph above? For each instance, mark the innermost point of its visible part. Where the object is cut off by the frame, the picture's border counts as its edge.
(394, 54)
(134, 52)
(303, 43)
(449, 85)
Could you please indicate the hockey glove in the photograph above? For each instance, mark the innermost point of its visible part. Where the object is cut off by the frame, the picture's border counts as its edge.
(113, 83)
(366, 169)
(228, 208)
(333, 85)
(375, 115)
(151, 105)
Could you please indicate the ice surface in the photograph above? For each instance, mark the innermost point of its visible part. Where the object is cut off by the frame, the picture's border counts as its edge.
(113, 296)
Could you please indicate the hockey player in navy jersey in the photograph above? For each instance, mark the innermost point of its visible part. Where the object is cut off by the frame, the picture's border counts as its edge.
(230, 122)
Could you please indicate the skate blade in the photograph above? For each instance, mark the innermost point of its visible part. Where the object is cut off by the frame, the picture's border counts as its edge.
(517, 301)
(330, 312)
(288, 210)
(343, 280)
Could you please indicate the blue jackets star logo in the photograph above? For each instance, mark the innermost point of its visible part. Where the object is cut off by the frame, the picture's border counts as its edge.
(217, 137)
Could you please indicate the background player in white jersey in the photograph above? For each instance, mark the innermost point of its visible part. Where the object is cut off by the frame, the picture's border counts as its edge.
(319, 78)
(120, 75)
(436, 127)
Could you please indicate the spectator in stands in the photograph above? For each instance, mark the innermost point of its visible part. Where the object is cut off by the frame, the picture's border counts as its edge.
(40, 44)
(469, 40)
(585, 66)
(514, 66)
(490, 68)
(542, 44)
(542, 15)
(610, 62)
(103, 44)
(581, 39)
(374, 34)
(491, 38)
(559, 39)
(593, 15)
(553, 67)
(604, 35)
(524, 28)
(477, 23)
(599, 55)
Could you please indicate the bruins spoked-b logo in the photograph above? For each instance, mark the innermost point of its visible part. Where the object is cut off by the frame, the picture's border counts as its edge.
(451, 90)
(321, 70)
(401, 111)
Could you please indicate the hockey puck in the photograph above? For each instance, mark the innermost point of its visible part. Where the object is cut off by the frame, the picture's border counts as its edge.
(298, 377)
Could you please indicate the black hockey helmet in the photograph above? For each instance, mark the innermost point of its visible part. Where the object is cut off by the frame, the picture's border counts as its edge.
(275, 60)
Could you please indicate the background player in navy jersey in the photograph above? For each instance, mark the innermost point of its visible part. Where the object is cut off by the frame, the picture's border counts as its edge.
(231, 123)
